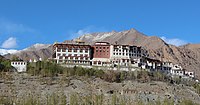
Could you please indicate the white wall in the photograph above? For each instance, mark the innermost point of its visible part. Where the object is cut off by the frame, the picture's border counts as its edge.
(20, 66)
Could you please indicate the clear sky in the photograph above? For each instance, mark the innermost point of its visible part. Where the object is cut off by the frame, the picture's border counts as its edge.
(26, 22)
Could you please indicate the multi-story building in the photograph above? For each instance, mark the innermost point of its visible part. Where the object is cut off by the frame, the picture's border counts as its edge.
(72, 52)
(120, 55)
(101, 54)
(105, 54)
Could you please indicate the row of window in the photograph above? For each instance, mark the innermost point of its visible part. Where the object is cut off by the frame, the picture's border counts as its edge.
(100, 54)
(86, 51)
(180, 72)
(86, 55)
(126, 54)
(120, 54)
(74, 58)
(101, 51)
(85, 62)
(18, 63)
(126, 51)
(99, 62)
(98, 47)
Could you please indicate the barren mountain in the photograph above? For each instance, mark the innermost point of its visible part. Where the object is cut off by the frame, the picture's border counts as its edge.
(36, 51)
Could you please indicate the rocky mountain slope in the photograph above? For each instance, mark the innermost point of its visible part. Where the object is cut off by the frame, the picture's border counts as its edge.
(36, 51)
(187, 56)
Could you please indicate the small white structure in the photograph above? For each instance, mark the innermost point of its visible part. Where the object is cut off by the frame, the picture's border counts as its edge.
(177, 70)
(20, 66)
(40, 59)
(30, 60)
(190, 74)
(34, 60)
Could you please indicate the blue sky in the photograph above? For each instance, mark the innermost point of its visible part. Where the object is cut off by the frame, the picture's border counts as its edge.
(26, 22)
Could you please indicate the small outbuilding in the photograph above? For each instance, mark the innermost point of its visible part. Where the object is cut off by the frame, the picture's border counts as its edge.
(20, 66)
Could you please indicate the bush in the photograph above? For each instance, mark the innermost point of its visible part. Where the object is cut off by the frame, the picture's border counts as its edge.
(143, 76)
(46, 69)
(187, 102)
(5, 65)
(197, 87)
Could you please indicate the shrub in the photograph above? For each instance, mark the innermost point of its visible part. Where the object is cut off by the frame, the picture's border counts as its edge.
(44, 68)
(187, 102)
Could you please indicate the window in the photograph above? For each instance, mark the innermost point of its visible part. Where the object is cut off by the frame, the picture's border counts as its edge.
(58, 50)
(63, 50)
(99, 63)
(95, 62)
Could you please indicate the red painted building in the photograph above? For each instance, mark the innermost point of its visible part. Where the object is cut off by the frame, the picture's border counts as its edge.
(101, 50)
(101, 53)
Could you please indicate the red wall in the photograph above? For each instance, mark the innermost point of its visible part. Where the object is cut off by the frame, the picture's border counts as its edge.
(101, 51)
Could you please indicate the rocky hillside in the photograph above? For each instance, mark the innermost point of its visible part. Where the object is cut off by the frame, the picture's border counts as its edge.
(36, 51)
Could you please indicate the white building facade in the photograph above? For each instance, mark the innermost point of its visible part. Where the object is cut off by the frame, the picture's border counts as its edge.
(72, 53)
(20, 66)
(120, 55)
